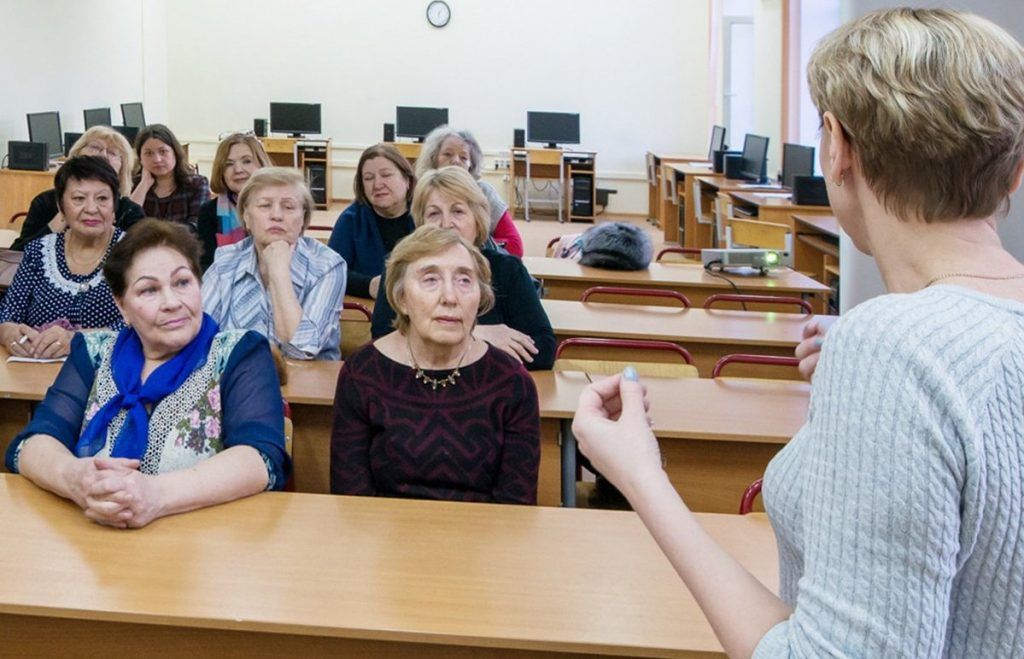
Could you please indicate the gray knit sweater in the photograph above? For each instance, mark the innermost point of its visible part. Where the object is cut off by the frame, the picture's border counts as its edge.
(899, 507)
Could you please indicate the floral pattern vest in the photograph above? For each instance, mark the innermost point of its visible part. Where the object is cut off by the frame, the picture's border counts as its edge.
(184, 427)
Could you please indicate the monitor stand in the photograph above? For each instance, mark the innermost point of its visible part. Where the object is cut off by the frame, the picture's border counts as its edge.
(296, 136)
(552, 145)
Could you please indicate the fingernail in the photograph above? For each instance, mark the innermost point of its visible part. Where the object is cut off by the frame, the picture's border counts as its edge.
(818, 341)
(630, 374)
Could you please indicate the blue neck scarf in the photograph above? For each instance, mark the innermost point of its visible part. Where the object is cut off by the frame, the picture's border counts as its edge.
(126, 364)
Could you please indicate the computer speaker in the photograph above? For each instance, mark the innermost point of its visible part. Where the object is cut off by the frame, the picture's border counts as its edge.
(718, 160)
(389, 132)
(28, 155)
(259, 127)
(518, 138)
(732, 165)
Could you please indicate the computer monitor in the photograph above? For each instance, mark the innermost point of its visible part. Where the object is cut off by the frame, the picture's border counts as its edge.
(418, 122)
(717, 141)
(45, 127)
(296, 119)
(133, 115)
(755, 158)
(553, 128)
(129, 132)
(797, 160)
(69, 141)
(98, 117)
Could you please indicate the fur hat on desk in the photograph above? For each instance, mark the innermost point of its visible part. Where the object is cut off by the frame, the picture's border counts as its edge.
(617, 246)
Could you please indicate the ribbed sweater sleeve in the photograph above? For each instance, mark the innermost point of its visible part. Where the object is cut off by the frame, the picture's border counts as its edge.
(889, 542)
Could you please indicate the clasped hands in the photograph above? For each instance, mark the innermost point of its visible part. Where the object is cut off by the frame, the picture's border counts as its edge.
(50, 343)
(113, 492)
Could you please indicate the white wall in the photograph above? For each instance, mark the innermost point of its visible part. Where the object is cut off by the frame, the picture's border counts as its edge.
(635, 71)
(768, 74)
(67, 56)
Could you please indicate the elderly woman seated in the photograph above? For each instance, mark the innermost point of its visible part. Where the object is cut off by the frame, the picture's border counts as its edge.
(283, 285)
(44, 215)
(430, 411)
(446, 146)
(517, 324)
(59, 286)
(167, 415)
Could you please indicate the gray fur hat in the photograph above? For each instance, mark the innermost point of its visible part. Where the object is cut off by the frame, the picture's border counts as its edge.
(617, 246)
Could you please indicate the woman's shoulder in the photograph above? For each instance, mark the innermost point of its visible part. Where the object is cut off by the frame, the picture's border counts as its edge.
(209, 208)
(320, 254)
(44, 200)
(354, 212)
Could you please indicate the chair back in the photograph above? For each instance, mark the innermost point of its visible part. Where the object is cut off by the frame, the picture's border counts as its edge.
(650, 358)
(754, 233)
(355, 327)
(635, 292)
(764, 360)
(679, 255)
(749, 494)
(744, 299)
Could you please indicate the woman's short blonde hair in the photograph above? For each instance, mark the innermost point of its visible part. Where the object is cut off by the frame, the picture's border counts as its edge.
(425, 241)
(272, 177)
(933, 102)
(114, 140)
(217, 184)
(432, 147)
(455, 183)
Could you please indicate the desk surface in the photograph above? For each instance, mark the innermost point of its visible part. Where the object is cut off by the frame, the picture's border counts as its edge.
(826, 224)
(669, 274)
(599, 319)
(689, 168)
(477, 575)
(765, 201)
(722, 184)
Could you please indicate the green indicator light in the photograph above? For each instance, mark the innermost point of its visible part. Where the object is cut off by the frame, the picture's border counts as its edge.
(771, 258)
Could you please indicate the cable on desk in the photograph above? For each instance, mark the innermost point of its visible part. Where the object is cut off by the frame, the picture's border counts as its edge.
(709, 268)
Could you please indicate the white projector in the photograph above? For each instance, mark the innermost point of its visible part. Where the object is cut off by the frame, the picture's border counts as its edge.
(736, 257)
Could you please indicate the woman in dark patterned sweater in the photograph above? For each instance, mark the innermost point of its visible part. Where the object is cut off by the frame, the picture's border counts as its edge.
(429, 411)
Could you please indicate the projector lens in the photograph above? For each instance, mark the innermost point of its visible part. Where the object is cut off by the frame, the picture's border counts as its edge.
(771, 258)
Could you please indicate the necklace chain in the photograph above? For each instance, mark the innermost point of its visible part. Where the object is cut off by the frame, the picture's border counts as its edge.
(437, 382)
(950, 275)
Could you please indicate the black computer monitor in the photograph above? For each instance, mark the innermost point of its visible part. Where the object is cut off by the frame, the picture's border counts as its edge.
(45, 127)
(717, 141)
(69, 141)
(418, 122)
(296, 119)
(99, 117)
(797, 160)
(129, 132)
(553, 128)
(133, 115)
(755, 158)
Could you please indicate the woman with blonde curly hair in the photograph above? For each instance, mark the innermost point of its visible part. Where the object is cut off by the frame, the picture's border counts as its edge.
(898, 507)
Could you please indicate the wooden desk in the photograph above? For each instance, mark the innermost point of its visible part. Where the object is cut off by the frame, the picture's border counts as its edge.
(566, 280)
(717, 435)
(17, 190)
(816, 248)
(311, 156)
(563, 165)
(284, 574)
(779, 210)
(707, 335)
(708, 210)
(409, 150)
(654, 162)
(676, 183)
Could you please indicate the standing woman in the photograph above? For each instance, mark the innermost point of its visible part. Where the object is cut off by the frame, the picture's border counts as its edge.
(59, 287)
(238, 156)
(446, 146)
(44, 216)
(899, 507)
(166, 187)
(369, 229)
(287, 287)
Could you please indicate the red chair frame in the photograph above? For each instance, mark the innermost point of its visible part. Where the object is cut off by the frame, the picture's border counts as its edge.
(763, 299)
(749, 494)
(638, 292)
(16, 216)
(360, 307)
(768, 360)
(629, 344)
(693, 251)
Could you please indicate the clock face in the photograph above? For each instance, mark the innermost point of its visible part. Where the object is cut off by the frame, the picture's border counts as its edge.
(439, 13)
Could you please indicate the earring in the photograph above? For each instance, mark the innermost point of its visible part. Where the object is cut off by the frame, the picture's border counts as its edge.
(838, 182)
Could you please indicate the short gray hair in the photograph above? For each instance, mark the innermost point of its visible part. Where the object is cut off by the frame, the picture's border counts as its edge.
(432, 145)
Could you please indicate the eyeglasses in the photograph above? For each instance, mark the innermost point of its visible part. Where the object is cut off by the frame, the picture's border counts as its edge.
(97, 149)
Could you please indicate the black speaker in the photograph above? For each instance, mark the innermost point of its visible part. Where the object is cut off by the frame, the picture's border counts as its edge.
(718, 160)
(259, 126)
(732, 165)
(28, 155)
(809, 191)
(389, 132)
(518, 138)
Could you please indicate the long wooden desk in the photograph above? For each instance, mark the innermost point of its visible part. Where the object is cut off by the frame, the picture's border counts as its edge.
(284, 574)
(717, 435)
(816, 248)
(676, 182)
(779, 210)
(707, 335)
(17, 190)
(566, 280)
(654, 161)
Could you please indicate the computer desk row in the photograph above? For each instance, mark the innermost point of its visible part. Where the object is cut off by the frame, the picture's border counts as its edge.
(297, 574)
(717, 435)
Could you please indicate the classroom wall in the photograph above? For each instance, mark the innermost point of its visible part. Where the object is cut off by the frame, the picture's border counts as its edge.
(635, 71)
(768, 74)
(860, 278)
(67, 56)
